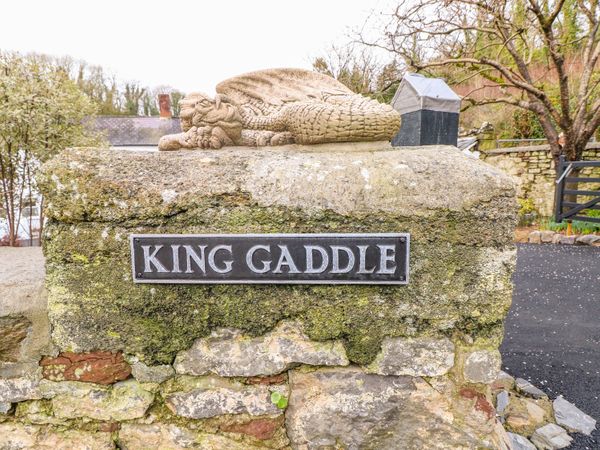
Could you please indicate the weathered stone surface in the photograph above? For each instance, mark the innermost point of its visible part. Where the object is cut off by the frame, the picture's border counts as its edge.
(572, 418)
(526, 388)
(5, 407)
(426, 357)
(551, 437)
(123, 401)
(567, 240)
(502, 401)
(524, 415)
(503, 381)
(535, 237)
(588, 239)
(482, 366)
(213, 396)
(479, 400)
(230, 353)
(173, 437)
(14, 390)
(24, 326)
(97, 197)
(262, 429)
(348, 408)
(519, 442)
(546, 236)
(150, 374)
(19, 436)
(38, 412)
(13, 330)
(92, 367)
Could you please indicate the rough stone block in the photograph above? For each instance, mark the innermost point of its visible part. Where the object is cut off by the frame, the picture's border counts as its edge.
(482, 366)
(13, 330)
(524, 415)
(348, 408)
(528, 389)
(588, 239)
(24, 326)
(97, 197)
(572, 418)
(212, 396)
(519, 442)
(150, 374)
(5, 407)
(229, 353)
(535, 237)
(173, 437)
(546, 236)
(503, 381)
(426, 357)
(19, 436)
(14, 390)
(123, 401)
(92, 367)
(551, 437)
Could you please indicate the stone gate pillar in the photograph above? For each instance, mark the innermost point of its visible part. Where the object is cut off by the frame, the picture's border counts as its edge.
(307, 366)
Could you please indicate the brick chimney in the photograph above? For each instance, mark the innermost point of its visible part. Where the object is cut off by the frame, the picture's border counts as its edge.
(164, 104)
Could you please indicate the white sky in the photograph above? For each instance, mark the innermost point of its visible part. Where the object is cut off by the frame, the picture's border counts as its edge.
(190, 45)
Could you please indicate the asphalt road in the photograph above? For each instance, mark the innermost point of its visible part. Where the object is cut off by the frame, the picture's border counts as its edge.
(552, 335)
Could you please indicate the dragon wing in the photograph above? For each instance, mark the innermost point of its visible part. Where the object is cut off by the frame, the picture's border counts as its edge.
(265, 91)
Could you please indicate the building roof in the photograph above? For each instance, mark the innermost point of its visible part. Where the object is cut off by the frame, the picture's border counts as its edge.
(124, 130)
(417, 92)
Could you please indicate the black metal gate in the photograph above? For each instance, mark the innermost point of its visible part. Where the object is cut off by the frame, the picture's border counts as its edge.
(567, 205)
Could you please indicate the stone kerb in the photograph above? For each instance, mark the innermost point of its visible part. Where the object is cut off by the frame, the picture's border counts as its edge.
(244, 366)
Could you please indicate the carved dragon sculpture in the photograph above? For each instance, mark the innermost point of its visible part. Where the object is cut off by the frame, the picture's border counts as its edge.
(280, 106)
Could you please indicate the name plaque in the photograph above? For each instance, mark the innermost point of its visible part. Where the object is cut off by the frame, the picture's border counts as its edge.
(331, 258)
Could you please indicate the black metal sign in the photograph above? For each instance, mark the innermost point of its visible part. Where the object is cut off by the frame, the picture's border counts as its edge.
(375, 258)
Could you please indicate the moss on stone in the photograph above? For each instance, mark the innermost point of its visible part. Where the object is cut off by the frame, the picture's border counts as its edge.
(95, 305)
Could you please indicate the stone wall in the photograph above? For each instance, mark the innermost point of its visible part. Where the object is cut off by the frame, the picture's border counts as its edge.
(534, 172)
(273, 366)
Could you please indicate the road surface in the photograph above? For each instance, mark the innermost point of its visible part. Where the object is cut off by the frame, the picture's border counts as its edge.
(552, 335)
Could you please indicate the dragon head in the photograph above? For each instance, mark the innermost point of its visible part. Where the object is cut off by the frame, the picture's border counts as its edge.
(200, 110)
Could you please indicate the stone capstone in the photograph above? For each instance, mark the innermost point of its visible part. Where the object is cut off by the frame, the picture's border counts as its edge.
(123, 401)
(519, 442)
(482, 366)
(97, 197)
(230, 353)
(528, 389)
(551, 437)
(92, 367)
(425, 357)
(348, 408)
(212, 396)
(572, 418)
(19, 436)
